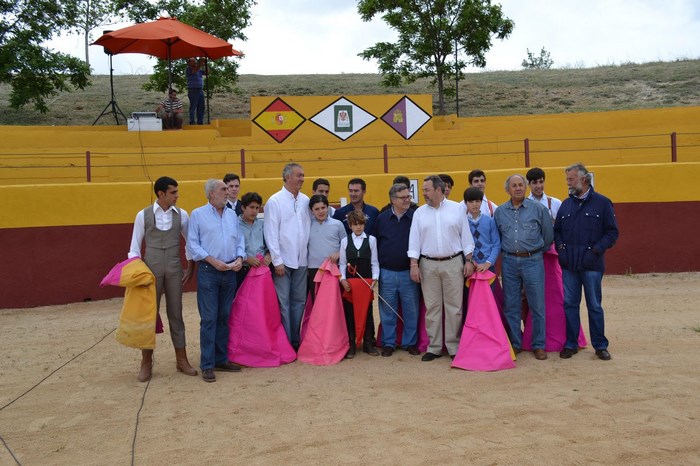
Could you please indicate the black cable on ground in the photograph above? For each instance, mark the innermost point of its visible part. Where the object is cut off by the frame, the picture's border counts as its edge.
(138, 414)
(42, 380)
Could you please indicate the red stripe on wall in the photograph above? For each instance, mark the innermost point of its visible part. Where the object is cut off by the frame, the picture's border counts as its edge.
(58, 265)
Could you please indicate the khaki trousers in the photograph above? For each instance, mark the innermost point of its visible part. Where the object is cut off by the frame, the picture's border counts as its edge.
(442, 283)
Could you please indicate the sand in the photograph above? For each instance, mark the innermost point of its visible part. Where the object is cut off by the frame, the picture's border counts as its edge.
(642, 407)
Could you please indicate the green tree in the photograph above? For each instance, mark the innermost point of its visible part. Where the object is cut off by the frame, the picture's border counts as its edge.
(429, 31)
(543, 62)
(225, 19)
(34, 71)
(89, 15)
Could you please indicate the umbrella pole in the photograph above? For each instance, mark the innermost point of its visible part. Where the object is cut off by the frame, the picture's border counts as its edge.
(206, 73)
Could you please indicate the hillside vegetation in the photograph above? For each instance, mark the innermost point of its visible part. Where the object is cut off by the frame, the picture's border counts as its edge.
(496, 93)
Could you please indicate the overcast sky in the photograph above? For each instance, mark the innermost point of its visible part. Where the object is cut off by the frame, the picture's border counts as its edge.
(325, 36)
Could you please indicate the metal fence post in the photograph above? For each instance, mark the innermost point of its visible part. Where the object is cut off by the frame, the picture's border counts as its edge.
(88, 167)
(674, 147)
(527, 152)
(386, 158)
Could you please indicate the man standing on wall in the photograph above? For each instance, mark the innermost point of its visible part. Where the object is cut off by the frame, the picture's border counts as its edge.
(440, 249)
(286, 228)
(215, 240)
(584, 229)
(526, 232)
(195, 88)
(161, 226)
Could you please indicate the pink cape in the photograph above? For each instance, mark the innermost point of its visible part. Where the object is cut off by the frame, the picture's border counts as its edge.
(257, 337)
(484, 345)
(422, 340)
(325, 338)
(555, 319)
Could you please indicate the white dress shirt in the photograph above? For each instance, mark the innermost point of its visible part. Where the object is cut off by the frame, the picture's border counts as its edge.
(555, 204)
(287, 224)
(440, 232)
(357, 241)
(164, 220)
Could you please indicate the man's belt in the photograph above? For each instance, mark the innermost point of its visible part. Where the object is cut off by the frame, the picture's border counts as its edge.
(524, 254)
(441, 258)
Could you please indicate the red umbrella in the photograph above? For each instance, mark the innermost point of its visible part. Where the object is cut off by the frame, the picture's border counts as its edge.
(166, 38)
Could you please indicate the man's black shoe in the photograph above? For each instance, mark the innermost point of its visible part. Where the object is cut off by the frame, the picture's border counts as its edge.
(228, 367)
(603, 354)
(566, 353)
(430, 356)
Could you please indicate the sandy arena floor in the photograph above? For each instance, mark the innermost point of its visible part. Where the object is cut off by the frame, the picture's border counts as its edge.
(643, 407)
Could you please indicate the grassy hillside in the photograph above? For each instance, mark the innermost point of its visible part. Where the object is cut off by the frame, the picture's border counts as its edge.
(630, 86)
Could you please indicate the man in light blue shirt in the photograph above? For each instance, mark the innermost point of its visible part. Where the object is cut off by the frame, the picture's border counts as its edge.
(526, 232)
(214, 240)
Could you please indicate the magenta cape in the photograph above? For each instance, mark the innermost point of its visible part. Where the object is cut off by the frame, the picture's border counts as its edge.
(484, 345)
(422, 340)
(137, 322)
(256, 335)
(555, 319)
(325, 338)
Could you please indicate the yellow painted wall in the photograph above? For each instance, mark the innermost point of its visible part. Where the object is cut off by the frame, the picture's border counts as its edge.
(116, 203)
(444, 144)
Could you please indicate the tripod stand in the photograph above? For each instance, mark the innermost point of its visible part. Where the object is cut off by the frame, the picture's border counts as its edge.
(112, 103)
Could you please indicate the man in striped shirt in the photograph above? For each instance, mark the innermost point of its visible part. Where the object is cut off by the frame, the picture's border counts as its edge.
(171, 111)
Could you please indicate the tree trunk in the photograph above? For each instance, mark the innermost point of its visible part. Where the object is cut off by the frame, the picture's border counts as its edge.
(441, 94)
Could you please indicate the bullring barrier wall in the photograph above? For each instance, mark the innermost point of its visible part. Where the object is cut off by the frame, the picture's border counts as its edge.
(59, 154)
(59, 240)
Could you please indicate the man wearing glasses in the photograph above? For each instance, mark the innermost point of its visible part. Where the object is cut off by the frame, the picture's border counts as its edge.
(392, 229)
(171, 111)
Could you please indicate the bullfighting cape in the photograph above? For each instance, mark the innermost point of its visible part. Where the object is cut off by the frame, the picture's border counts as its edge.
(325, 340)
(137, 322)
(360, 296)
(256, 334)
(555, 318)
(484, 345)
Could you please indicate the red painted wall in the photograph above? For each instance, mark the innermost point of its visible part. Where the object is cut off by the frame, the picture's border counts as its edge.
(58, 265)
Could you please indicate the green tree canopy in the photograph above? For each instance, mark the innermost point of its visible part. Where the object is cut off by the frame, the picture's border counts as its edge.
(34, 71)
(429, 31)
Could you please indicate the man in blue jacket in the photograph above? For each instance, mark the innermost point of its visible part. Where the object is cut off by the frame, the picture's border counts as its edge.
(584, 229)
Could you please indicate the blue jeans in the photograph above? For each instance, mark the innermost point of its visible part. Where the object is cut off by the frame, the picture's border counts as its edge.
(291, 294)
(527, 273)
(394, 287)
(196, 97)
(591, 281)
(215, 292)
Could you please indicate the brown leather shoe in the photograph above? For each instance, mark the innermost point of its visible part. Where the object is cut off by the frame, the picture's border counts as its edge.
(540, 354)
(146, 365)
(182, 364)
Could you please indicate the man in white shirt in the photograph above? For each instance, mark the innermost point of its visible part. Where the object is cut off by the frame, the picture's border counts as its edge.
(535, 178)
(161, 226)
(440, 247)
(477, 178)
(286, 227)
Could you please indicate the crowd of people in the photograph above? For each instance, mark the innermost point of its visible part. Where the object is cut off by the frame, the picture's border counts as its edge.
(404, 254)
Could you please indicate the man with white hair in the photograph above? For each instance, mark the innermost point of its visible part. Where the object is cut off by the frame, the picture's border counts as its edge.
(216, 242)
(584, 229)
(525, 228)
(286, 228)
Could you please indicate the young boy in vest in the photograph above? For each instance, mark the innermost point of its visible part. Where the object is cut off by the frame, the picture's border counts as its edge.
(358, 258)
